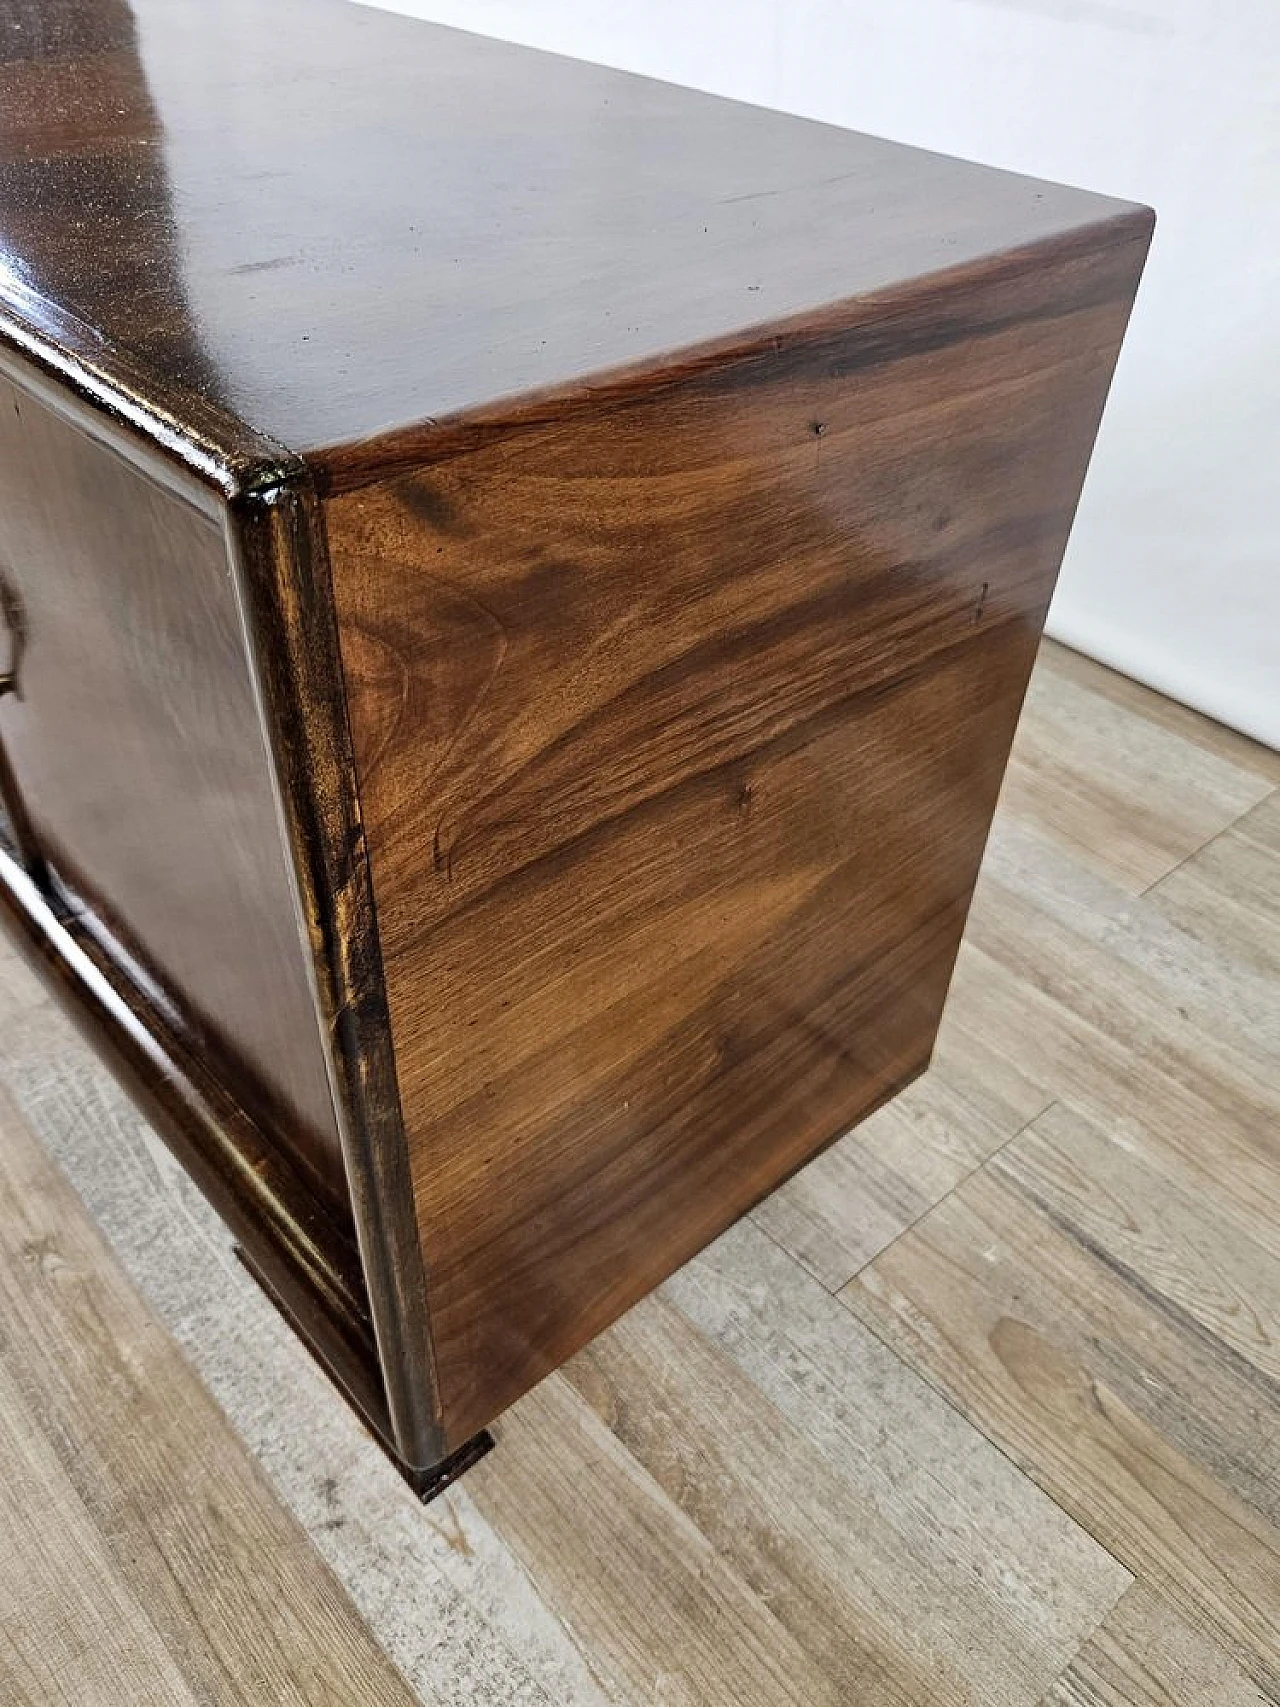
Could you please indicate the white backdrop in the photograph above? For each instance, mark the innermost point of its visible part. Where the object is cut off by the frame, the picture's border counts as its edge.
(1173, 573)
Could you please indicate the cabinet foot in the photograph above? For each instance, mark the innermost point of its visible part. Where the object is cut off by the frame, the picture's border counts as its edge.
(426, 1483)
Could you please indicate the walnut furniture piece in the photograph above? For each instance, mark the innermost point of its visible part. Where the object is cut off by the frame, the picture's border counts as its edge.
(519, 582)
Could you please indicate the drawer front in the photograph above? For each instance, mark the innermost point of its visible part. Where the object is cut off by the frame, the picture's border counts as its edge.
(134, 742)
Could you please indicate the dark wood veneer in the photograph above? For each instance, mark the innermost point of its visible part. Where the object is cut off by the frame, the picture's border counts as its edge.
(137, 750)
(524, 578)
(679, 728)
(306, 1251)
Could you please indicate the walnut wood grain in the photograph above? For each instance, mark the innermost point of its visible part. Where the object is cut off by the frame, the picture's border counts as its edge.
(679, 726)
(749, 1563)
(408, 222)
(550, 736)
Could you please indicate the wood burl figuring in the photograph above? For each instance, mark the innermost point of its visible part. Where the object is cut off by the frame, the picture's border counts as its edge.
(518, 582)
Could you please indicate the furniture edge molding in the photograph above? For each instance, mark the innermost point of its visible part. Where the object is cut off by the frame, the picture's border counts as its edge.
(262, 494)
(310, 1258)
(343, 468)
(277, 546)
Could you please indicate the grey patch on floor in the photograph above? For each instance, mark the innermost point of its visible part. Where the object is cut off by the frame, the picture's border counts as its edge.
(438, 1588)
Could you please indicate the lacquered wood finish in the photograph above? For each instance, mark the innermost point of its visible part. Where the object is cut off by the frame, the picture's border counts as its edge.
(637, 508)
(362, 221)
(679, 727)
(348, 1288)
(138, 752)
(304, 1251)
(279, 556)
(811, 1520)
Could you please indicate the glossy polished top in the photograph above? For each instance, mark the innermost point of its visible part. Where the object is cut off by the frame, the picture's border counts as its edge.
(330, 222)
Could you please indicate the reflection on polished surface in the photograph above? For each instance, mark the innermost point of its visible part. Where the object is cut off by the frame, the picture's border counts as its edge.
(86, 211)
(330, 221)
(601, 710)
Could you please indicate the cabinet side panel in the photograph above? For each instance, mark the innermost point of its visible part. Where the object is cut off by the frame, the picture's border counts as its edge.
(139, 756)
(679, 725)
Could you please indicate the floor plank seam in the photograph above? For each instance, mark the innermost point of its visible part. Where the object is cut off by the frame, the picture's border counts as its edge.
(649, 1529)
(788, 1253)
(939, 1201)
(1207, 843)
(1050, 1698)
(1183, 1322)
(1024, 1468)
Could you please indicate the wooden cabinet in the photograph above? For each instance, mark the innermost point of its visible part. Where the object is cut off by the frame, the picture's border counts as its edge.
(519, 584)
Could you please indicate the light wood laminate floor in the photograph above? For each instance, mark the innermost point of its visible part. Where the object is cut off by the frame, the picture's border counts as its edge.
(982, 1407)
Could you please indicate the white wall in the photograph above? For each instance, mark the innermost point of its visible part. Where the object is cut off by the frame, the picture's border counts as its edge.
(1173, 573)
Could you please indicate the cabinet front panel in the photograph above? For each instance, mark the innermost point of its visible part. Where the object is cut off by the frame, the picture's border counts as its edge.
(137, 749)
